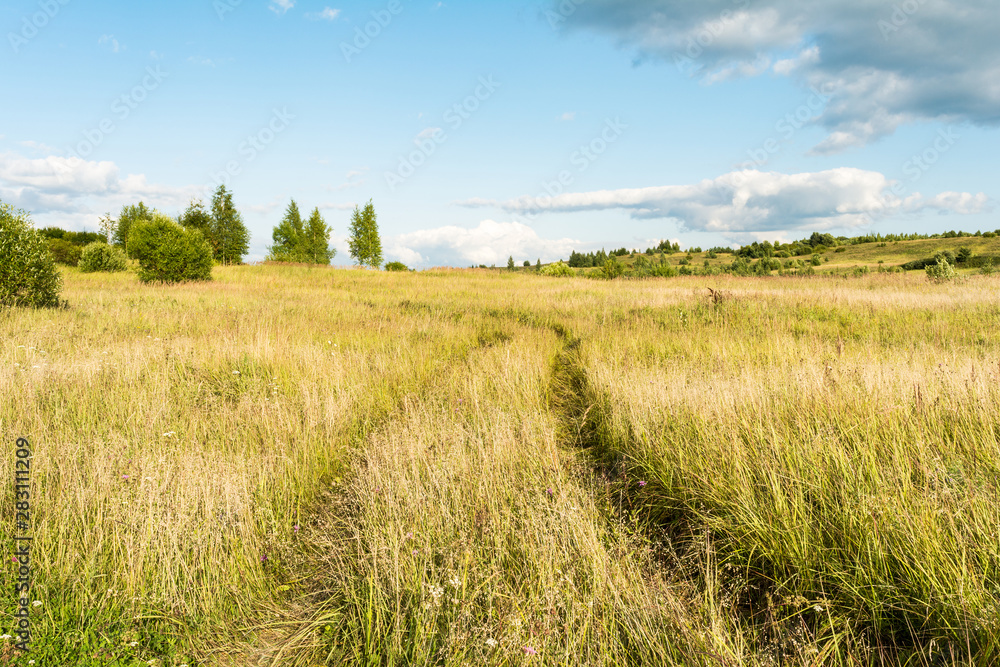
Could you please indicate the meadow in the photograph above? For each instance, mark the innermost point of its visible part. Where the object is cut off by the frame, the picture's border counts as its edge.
(310, 466)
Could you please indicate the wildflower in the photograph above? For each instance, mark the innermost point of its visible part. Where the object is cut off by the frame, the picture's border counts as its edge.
(529, 651)
(295, 528)
(642, 483)
(491, 642)
(169, 434)
(36, 603)
(31, 662)
(236, 372)
(124, 476)
(263, 558)
(133, 644)
(818, 609)
(455, 582)
(5, 637)
(550, 491)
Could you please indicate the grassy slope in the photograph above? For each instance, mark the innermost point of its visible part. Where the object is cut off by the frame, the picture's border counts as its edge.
(868, 254)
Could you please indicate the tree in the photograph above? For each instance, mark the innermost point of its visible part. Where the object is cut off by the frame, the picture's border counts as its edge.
(197, 217)
(232, 239)
(510, 263)
(28, 276)
(128, 218)
(316, 240)
(538, 264)
(366, 246)
(288, 237)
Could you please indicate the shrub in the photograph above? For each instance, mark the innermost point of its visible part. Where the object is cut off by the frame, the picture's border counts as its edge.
(941, 272)
(964, 255)
(558, 270)
(99, 256)
(396, 266)
(987, 268)
(612, 268)
(168, 253)
(28, 276)
(64, 252)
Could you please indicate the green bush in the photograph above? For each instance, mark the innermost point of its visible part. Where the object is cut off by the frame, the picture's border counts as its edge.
(558, 270)
(612, 268)
(396, 266)
(987, 269)
(64, 252)
(168, 253)
(99, 256)
(941, 272)
(28, 276)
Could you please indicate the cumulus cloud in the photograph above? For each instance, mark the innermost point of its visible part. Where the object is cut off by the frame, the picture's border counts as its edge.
(280, 7)
(751, 201)
(75, 192)
(327, 14)
(489, 243)
(887, 64)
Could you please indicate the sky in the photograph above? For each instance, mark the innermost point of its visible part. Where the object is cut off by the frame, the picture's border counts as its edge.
(483, 129)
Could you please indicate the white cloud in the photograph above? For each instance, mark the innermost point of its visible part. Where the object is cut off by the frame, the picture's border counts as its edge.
(568, 116)
(280, 7)
(327, 14)
(199, 60)
(75, 192)
(489, 243)
(337, 207)
(752, 201)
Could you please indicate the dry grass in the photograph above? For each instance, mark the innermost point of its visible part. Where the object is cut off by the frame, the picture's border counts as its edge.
(463, 451)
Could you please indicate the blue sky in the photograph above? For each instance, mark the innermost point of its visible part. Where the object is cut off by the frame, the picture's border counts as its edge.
(711, 123)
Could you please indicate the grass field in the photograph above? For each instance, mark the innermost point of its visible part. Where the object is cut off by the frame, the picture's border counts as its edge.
(293, 466)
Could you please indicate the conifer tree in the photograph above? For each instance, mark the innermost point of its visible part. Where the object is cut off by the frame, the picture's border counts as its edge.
(316, 240)
(230, 234)
(288, 237)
